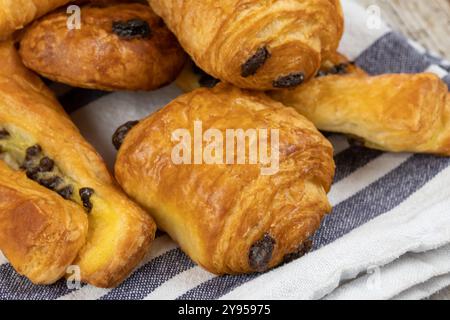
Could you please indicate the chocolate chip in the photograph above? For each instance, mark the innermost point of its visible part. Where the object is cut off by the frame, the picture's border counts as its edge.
(332, 71)
(85, 195)
(121, 133)
(208, 81)
(46, 164)
(355, 141)
(51, 183)
(66, 192)
(32, 173)
(255, 62)
(341, 69)
(303, 249)
(32, 152)
(261, 252)
(4, 134)
(132, 29)
(289, 81)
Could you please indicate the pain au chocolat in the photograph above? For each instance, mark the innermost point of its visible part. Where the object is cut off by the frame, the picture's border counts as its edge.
(229, 216)
(256, 44)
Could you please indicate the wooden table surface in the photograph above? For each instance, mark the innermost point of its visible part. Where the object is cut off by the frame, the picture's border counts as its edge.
(427, 22)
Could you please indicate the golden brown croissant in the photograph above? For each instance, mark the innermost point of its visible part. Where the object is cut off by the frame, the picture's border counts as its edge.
(229, 217)
(15, 14)
(397, 112)
(118, 47)
(38, 138)
(256, 44)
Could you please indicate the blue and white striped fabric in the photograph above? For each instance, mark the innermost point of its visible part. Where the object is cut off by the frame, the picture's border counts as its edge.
(388, 235)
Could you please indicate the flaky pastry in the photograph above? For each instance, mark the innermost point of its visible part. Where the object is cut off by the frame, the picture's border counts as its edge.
(391, 112)
(37, 139)
(256, 44)
(229, 218)
(394, 112)
(118, 47)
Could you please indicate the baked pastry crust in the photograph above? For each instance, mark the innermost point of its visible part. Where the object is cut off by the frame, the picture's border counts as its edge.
(120, 232)
(256, 44)
(14, 15)
(395, 112)
(40, 233)
(98, 58)
(192, 77)
(224, 215)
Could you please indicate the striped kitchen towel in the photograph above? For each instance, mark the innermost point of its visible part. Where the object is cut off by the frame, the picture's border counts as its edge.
(388, 235)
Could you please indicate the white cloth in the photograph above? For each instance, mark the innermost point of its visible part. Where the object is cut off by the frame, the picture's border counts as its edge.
(420, 224)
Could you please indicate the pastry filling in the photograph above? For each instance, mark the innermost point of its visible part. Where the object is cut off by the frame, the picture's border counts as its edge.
(132, 29)
(252, 65)
(261, 252)
(121, 133)
(20, 153)
(290, 81)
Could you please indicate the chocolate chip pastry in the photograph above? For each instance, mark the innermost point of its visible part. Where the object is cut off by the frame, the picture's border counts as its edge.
(58, 203)
(118, 47)
(228, 216)
(393, 112)
(258, 45)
